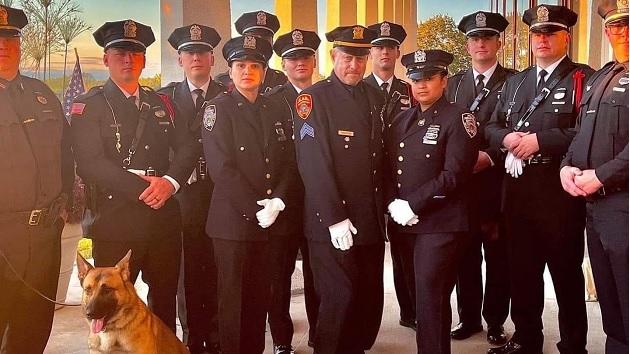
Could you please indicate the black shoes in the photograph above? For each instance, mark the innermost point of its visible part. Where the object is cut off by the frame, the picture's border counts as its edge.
(408, 323)
(462, 331)
(283, 349)
(496, 335)
(512, 347)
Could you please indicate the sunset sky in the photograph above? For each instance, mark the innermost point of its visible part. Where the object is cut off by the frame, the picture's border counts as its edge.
(97, 12)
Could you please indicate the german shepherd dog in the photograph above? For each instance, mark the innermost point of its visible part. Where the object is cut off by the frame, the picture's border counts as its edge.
(119, 321)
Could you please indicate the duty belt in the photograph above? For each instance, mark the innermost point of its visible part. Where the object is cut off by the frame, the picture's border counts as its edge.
(35, 217)
(539, 160)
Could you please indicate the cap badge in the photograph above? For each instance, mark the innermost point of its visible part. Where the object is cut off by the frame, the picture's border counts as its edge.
(298, 38)
(195, 33)
(357, 32)
(480, 20)
(4, 16)
(249, 42)
(622, 5)
(130, 28)
(543, 14)
(385, 29)
(420, 56)
(261, 19)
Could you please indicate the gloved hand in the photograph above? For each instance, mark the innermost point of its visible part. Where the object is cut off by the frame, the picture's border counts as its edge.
(341, 234)
(401, 212)
(271, 208)
(413, 221)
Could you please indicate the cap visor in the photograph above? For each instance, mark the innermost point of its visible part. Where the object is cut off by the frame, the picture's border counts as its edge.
(547, 29)
(302, 53)
(10, 33)
(385, 43)
(357, 52)
(482, 33)
(130, 46)
(195, 48)
(423, 74)
(247, 56)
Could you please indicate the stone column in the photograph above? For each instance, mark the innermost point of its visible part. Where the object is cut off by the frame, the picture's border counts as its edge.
(338, 13)
(177, 13)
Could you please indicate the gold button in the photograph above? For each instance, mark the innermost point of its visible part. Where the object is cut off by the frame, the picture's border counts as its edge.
(269, 191)
(398, 185)
(266, 159)
(400, 158)
(374, 172)
(376, 189)
(346, 146)
(427, 156)
(268, 176)
(402, 145)
(110, 196)
(343, 202)
(242, 148)
(373, 154)
(399, 172)
(346, 138)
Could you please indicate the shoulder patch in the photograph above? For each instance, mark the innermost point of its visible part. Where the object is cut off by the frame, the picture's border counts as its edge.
(77, 108)
(210, 117)
(304, 105)
(470, 124)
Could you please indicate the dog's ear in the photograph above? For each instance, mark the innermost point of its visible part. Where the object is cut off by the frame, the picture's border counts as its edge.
(83, 266)
(123, 266)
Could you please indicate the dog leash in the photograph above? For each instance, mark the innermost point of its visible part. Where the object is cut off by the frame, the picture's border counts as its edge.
(28, 286)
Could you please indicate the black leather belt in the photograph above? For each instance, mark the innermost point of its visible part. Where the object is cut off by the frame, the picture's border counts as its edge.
(605, 192)
(539, 160)
(35, 217)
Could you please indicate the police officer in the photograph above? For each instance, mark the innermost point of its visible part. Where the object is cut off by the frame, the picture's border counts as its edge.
(37, 177)
(534, 121)
(297, 50)
(430, 154)
(596, 167)
(478, 88)
(397, 93)
(262, 25)
(122, 134)
(195, 44)
(339, 152)
(251, 159)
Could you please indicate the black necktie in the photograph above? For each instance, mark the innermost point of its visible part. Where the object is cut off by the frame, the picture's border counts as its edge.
(480, 84)
(132, 100)
(199, 100)
(384, 86)
(541, 80)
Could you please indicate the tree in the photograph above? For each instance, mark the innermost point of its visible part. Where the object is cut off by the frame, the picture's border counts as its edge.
(69, 29)
(8, 3)
(440, 32)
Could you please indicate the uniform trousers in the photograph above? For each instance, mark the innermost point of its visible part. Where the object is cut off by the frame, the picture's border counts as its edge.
(349, 285)
(34, 252)
(470, 292)
(283, 255)
(158, 258)
(404, 278)
(607, 239)
(244, 283)
(435, 266)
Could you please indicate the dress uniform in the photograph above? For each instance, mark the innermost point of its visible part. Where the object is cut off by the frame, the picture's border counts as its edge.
(251, 160)
(200, 284)
(260, 24)
(340, 154)
(479, 92)
(116, 140)
(602, 144)
(398, 98)
(37, 175)
(295, 44)
(430, 156)
(543, 224)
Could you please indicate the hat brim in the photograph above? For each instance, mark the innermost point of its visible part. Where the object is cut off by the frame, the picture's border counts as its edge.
(300, 53)
(356, 51)
(482, 33)
(195, 48)
(547, 29)
(126, 45)
(243, 56)
(616, 19)
(10, 33)
(424, 73)
(385, 42)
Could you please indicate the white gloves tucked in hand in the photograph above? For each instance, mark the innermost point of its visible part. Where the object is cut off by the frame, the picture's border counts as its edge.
(513, 165)
(341, 234)
(268, 214)
(401, 212)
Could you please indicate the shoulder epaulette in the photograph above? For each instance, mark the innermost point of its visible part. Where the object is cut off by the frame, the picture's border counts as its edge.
(96, 90)
(147, 89)
(273, 91)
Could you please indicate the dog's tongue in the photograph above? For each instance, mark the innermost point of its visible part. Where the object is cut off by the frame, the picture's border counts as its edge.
(97, 325)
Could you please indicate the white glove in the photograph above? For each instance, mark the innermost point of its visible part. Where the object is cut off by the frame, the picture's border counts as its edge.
(401, 212)
(513, 165)
(267, 215)
(413, 221)
(341, 234)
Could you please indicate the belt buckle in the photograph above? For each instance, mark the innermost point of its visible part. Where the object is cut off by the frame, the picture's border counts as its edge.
(150, 172)
(35, 217)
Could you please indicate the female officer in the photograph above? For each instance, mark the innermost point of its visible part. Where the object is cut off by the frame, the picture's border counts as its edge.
(431, 152)
(250, 156)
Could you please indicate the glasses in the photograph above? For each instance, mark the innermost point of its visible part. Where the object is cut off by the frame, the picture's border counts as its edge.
(617, 29)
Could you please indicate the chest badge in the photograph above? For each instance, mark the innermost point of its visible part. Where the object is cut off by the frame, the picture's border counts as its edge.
(624, 80)
(280, 131)
(470, 124)
(431, 135)
(160, 113)
(559, 95)
(210, 117)
(42, 99)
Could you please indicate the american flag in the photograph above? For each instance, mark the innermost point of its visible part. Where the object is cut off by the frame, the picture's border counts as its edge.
(75, 87)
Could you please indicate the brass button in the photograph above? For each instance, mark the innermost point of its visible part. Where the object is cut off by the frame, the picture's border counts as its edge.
(427, 156)
(269, 191)
(147, 147)
(242, 148)
(266, 159)
(343, 202)
(110, 196)
(398, 185)
(400, 158)
(268, 176)
(346, 138)
(399, 172)
(402, 145)
(527, 124)
(376, 189)
(346, 146)
(374, 172)
(373, 154)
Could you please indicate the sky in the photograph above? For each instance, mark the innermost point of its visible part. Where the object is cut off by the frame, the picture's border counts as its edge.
(97, 12)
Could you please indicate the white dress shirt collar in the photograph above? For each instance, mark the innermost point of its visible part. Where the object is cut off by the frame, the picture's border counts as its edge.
(486, 74)
(548, 69)
(380, 81)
